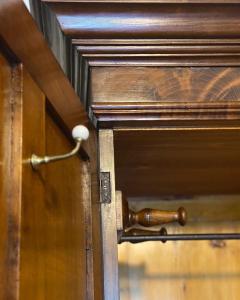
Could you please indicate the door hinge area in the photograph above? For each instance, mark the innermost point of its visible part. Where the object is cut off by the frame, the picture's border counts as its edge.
(105, 187)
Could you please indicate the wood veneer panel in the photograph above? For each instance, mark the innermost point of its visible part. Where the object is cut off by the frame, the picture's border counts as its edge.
(33, 263)
(167, 84)
(10, 177)
(53, 243)
(66, 191)
(177, 162)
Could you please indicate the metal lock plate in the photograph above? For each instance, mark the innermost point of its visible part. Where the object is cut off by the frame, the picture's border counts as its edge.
(105, 187)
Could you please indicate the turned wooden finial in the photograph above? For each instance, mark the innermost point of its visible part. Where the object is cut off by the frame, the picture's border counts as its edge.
(151, 217)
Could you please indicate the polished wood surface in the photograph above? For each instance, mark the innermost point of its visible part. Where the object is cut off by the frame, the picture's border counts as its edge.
(130, 47)
(11, 109)
(49, 249)
(28, 45)
(168, 114)
(32, 272)
(152, 217)
(148, 217)
(193, 147)
(153, 162)
(58, 249)
(147, 20)
(43, 250)
(180, 84)
(156, 96)
(63, 222)
(46, 245)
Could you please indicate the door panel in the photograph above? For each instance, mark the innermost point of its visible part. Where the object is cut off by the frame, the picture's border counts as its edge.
(32, 265)
(45, 213)
(49, 248)
(53, 258)
(10, 175)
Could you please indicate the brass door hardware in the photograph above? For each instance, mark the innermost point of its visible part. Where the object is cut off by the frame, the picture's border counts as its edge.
(79, 133)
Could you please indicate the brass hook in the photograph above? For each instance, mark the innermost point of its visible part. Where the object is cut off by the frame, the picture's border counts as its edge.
(79, 133)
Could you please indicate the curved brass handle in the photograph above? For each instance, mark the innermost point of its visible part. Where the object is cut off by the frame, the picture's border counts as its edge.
(79, 133)
(152, 217)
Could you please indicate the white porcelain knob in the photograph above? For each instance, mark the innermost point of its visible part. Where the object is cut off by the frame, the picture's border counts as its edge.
(80, 132)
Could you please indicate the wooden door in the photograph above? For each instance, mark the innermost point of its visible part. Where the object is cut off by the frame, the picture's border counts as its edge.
(49, 217)
(43, 212)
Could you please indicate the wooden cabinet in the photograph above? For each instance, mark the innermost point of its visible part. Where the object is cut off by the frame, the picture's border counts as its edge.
(48, 249)
(158, 88)
(148, 164)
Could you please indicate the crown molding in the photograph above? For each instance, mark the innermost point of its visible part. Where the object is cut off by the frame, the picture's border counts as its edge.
(140, 33)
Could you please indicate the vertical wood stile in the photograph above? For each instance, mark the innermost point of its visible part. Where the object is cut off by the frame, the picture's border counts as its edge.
(108, 215)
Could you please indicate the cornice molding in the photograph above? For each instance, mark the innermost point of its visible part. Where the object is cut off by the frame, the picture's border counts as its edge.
(159, 114)
(142, 33)
(147, 20)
